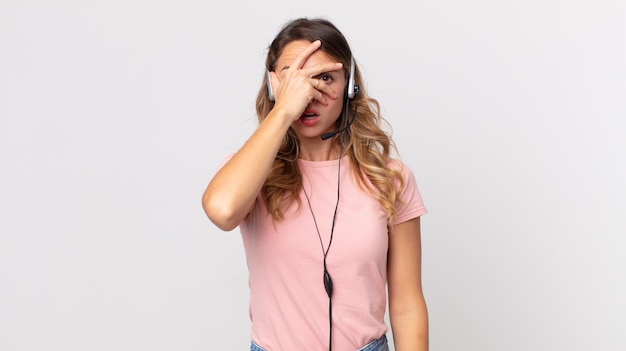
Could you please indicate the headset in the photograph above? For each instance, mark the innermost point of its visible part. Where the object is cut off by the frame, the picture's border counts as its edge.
(352, 92)
(351, 88)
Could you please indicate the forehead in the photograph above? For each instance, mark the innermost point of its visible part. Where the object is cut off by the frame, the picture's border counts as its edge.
(294, 48)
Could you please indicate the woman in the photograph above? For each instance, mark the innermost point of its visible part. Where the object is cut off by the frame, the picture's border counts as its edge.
(328, 218)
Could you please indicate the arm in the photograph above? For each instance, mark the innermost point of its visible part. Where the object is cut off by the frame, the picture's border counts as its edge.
(230, 195)
(407, 308)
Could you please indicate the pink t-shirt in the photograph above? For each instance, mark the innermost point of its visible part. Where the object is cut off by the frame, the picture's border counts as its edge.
(288, 303)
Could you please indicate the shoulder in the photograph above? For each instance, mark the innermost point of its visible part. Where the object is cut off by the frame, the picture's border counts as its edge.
(410, 203)
(397, 165)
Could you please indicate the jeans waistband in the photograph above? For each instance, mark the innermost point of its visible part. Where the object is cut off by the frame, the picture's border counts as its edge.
(379, 344)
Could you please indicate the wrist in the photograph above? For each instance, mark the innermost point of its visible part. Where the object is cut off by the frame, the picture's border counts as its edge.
(280, 117)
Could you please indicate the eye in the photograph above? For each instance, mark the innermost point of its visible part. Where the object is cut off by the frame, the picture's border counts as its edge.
(326, 77)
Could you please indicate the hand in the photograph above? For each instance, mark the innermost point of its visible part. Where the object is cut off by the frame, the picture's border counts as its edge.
(297, 87)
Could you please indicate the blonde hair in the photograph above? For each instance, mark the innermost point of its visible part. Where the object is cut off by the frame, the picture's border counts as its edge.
(366, 143)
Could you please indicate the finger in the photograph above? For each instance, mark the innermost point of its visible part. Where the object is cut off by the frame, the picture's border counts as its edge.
(316, 83)
(321, 86)
(325, 89)
(304, 55)
(321, 68)
(319, 96)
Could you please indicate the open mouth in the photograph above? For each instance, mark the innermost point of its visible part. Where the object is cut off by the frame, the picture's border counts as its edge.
(309, 118)
(309, 114)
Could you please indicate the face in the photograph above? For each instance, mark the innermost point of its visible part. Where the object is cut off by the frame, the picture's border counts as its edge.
(320, 116)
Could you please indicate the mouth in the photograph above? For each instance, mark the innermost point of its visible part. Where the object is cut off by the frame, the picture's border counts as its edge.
(309, 118)
(309, 114)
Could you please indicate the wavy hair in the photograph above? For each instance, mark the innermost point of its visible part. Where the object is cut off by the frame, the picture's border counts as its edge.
(366, 143)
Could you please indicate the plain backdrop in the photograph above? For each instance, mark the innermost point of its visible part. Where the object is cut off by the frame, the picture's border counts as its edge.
(115, 114)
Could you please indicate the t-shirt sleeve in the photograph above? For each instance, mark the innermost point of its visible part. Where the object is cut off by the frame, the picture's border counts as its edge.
(410, 204)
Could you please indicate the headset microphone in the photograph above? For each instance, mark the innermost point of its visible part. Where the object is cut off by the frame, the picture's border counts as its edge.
(335, 132)
(332, 134)
(352, 92)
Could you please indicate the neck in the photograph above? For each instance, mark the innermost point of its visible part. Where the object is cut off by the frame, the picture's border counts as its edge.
(319, 151)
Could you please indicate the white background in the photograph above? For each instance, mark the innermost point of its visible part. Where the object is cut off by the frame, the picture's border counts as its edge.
(115, 114)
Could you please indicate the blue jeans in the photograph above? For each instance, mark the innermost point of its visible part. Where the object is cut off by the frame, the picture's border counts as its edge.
(376, 345)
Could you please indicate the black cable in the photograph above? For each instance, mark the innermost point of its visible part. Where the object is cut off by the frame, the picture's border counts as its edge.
(328, 282)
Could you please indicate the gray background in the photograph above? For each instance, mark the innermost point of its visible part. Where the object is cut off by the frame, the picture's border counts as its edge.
(115, 114)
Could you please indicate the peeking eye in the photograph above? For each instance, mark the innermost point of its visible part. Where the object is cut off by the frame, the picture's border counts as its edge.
(326, 77)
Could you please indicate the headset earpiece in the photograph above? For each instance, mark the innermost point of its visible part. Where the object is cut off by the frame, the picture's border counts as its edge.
(270, 91)
(352, 88)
